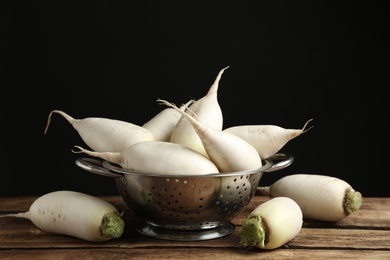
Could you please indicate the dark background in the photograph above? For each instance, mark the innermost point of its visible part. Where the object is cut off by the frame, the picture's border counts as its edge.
(289, 61)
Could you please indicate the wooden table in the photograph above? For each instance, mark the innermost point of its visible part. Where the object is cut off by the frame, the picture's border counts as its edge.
(363, 235)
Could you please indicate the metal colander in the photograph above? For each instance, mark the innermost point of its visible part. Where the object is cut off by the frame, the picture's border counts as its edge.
(186, 208)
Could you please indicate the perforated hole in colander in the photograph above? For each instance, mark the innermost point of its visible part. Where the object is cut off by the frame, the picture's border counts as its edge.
(236, 192)
(181, 199)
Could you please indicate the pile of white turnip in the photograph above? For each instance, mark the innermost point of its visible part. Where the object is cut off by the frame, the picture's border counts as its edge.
(190, 140)
(193, 131)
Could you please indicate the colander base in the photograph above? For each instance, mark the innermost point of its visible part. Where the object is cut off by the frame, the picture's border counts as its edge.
(185, 235)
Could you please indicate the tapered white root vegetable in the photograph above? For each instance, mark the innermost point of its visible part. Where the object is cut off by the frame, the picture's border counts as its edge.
(272, 224)
(208, 112)
(267, 139)
(228, 152)
(320, 197)
(75, 214)
(158, 157)
(163, 123)
(105, 134)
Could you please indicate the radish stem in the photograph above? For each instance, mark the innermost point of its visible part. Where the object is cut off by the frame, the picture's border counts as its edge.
(254, 233)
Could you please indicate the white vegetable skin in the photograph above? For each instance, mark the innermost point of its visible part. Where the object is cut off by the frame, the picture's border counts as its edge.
(105, 134)
(75, 214)
(272, 224)
(158, 157)
(227, 151)
(163, 123)
(320, 197)
(208, 112)
(267, 139)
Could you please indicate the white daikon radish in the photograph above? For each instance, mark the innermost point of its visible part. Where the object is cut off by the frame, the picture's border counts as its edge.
(272, 224)
(320, 197)
(104, 134)
(163, 123)
(158, 157)
(229, 152)
(267, 139)
(75, 214)
(208, 112)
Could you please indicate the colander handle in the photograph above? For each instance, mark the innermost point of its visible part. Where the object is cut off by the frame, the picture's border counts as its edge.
(95, 166)
(280, 161)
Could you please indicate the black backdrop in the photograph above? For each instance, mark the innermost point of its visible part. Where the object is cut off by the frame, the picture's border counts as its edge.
(289, 61)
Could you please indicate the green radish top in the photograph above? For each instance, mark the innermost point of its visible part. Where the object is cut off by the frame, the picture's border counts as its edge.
(353, 201)
(112, 225)
(254, 234)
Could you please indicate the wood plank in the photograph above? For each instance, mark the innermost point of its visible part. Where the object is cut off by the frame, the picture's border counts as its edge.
(191, 253)
(20, 233)
(366, 231)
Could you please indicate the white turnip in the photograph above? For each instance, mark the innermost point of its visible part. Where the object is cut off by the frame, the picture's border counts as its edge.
(320, 197)
(208, 111)
(75, 214)
(105, 134)
(267, 139)
(163, 123)
(229, 152)
(158, 157)
(272, 224)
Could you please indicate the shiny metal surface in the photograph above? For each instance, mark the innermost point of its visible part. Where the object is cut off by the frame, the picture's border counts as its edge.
(203, 206)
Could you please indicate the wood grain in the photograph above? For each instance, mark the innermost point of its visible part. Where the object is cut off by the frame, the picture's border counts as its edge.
(363, 235)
